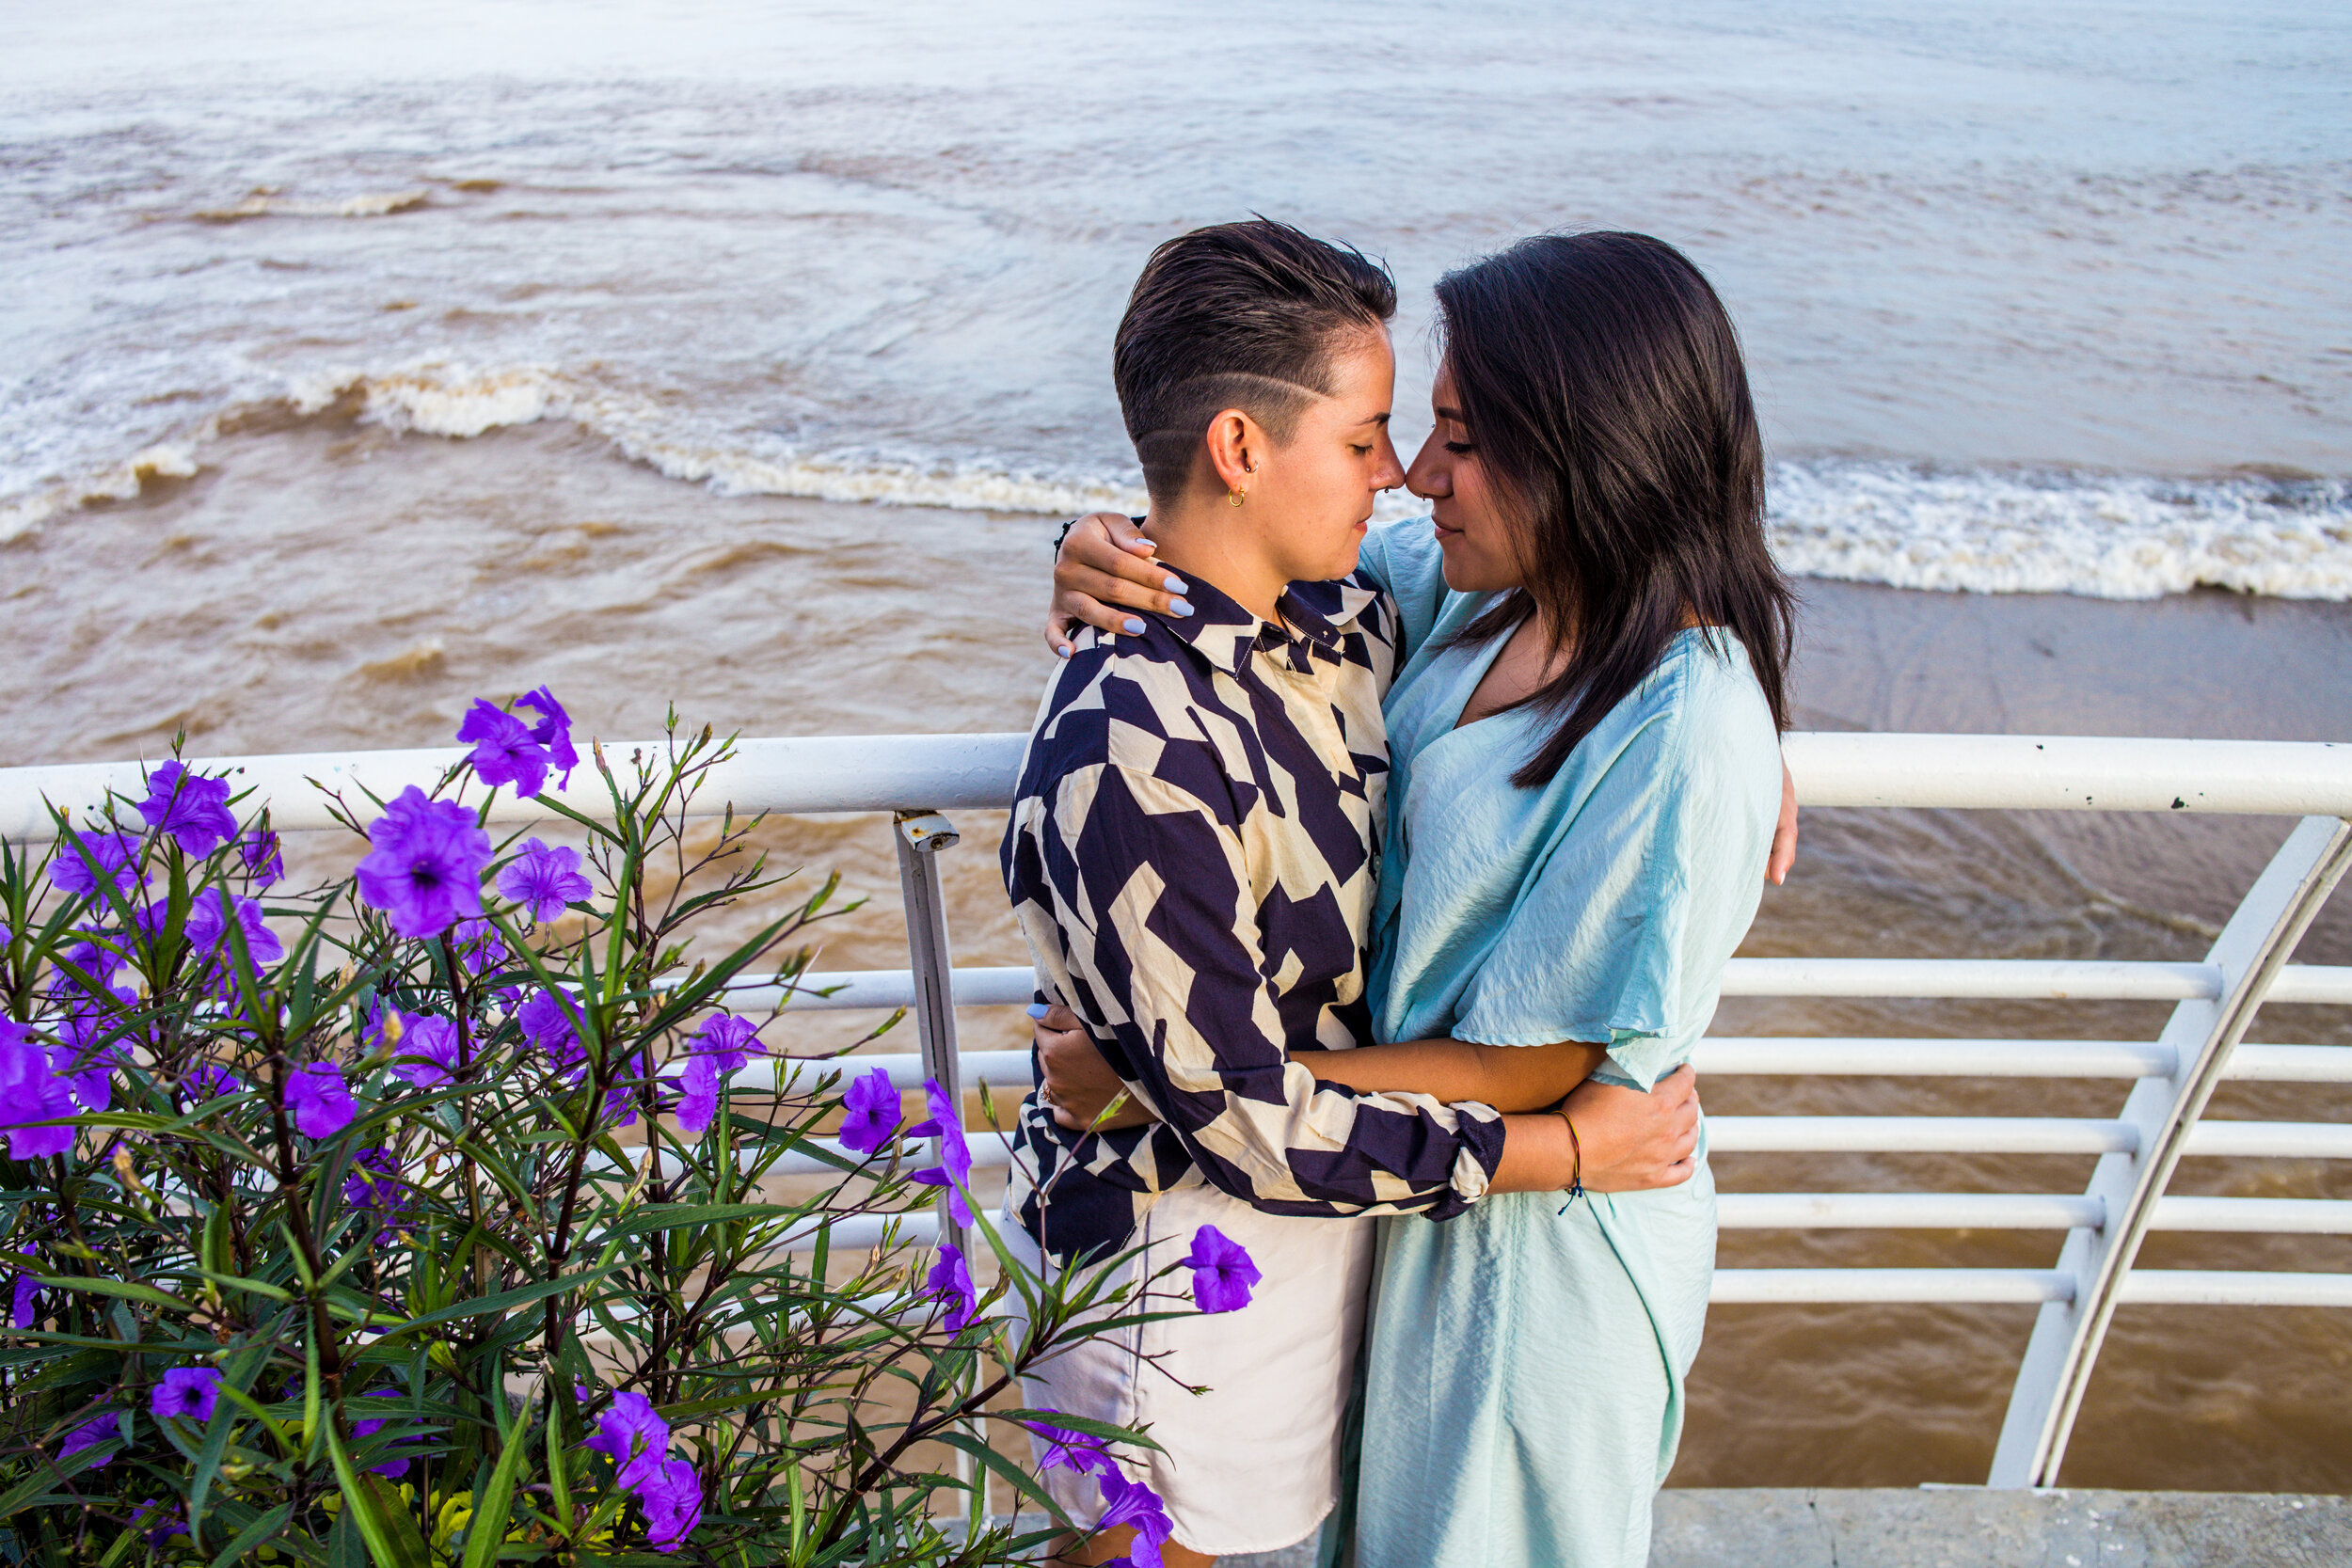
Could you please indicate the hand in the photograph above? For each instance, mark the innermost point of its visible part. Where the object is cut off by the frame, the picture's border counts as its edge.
(1106, 561)
(1079, 1084)
(1632, 1141)
(1784, 853)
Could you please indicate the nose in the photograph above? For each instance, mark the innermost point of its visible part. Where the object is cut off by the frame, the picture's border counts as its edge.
(1428, 478)
(1392, 472)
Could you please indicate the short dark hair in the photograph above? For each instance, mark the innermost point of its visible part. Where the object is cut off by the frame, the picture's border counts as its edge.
(1603, 384)
(1238, 315)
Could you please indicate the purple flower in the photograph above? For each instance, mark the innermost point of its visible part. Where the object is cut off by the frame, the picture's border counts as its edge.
(208, 914)
(427, 1049)
(86, 861)
(262, 861)
(549, 1027)
(1131, 1502)
(186, 1391)
(542, 880)
(480, 948)
(161, 1523)
(673, 1501)
(372, 1425)
(373, 1186)
(699, 1102)
(1072, 1450)
(1222, 1273)
(503, 752)
(193, 809)
(91, 1433)
(210, 1081)
(425, 872)
(553, 731)
(21, 1312)
(320, 1102)
(629, 1434)
(950, 1282)
(872, 1108)
(954, 1172)
(620, 1101)
(728, 1043)
(31, 1091)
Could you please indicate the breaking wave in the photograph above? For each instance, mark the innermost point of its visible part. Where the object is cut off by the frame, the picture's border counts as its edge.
(1986, 530)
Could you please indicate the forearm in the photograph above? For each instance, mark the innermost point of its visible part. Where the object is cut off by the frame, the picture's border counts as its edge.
(1507, 1077)
(1538, 1156)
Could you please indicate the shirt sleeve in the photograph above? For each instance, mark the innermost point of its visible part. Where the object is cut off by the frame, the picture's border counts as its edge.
(1152, 899)
(1620, 936)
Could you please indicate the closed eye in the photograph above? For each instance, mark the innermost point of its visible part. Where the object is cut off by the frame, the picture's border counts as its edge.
(1459, 448)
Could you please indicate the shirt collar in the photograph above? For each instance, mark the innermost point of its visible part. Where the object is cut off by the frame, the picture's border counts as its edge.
(1316, 619)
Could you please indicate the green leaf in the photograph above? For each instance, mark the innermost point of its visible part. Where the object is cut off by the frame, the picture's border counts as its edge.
(1021, 1479)
(487, 1531)
(505, 1300)
(254, 1534)
(676, 1216)
(127, 1290)
(391, 1535)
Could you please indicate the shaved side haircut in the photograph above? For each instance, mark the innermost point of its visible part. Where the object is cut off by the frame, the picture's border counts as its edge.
(1240, 315)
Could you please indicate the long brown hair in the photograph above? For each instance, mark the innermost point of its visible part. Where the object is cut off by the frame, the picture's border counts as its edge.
(1604, 389)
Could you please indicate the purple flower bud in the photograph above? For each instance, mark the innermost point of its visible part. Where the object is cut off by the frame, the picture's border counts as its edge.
(503, 752)
(544, 880)
(86, 861)
(320, 1102)
(190, 808)
(425, 872)
(372, 1425)
(553, 731)
(373, 1186)
(192, 1391)
(1222, 1273)
(954, 1172)
(950, 1282)
(209, 1081)
(871, 1107)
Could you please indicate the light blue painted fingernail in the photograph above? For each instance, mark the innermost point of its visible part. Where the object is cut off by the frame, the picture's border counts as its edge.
(1037, 1010)
(1177, 585)
(1134, 627)
(1063, 650)
(1179, 607)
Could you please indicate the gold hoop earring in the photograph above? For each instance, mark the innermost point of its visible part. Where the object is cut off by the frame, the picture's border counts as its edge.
(1234, 498)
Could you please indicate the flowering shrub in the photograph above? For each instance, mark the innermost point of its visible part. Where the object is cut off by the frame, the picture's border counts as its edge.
(324, 1244)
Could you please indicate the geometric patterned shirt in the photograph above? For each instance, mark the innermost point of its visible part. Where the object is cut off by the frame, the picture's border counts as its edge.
(1192, 858)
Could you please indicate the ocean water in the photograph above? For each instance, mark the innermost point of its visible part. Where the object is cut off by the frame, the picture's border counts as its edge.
(2038, 299)
(355, 363)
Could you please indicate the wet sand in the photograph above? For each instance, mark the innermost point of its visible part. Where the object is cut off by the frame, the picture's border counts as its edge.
(328, 585)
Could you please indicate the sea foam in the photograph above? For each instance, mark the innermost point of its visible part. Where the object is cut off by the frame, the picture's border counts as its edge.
(1987, 530)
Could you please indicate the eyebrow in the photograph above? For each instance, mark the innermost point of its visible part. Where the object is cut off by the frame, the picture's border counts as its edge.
(1373, 419)
(1453, 414)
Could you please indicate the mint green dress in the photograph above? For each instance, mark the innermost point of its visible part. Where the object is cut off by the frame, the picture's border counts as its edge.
(1523, 1370)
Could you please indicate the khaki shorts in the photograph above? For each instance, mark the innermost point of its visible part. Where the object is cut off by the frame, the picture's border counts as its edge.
(1252, 1465)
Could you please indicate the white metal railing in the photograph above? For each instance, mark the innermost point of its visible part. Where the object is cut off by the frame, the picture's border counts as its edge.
(2161, 1121)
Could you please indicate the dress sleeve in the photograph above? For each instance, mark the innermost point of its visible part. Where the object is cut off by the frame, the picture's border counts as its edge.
(1403, 559)
(1620, 934)
(1153, 902)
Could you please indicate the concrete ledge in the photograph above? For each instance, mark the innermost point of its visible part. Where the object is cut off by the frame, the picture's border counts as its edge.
(1972, 1528)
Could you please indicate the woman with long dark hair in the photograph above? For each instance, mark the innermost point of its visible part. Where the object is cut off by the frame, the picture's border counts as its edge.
(1586, 778)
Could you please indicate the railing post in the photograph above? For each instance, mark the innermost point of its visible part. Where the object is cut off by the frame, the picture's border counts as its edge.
(921, 836)
(2067, 1335)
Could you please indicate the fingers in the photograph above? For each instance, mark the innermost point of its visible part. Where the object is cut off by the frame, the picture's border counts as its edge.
(1111, 543)
(1074, 578)
(1059, 1018)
